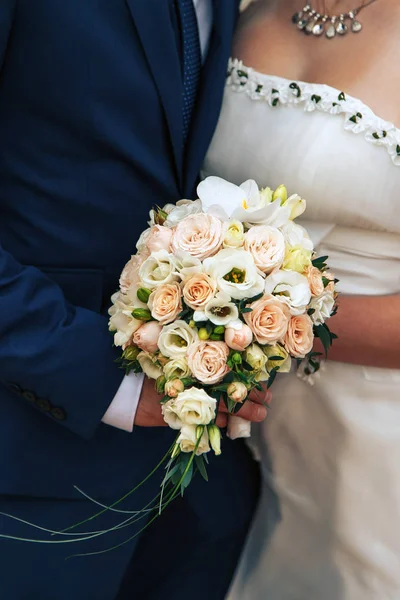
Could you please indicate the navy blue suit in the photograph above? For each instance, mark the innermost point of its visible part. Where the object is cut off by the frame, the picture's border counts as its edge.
(90, 139)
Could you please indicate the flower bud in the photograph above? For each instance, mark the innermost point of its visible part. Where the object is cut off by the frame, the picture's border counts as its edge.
(203, 334)
(280, 192)
(176, 451)
(199, 431)
(143, 294)
(160, 384)
(214, 435)
(174, 387)
(216, 338)
(131, 353)
(192, 324)
(220, 330)
(237, 391)
(141, 314)
(236, 358)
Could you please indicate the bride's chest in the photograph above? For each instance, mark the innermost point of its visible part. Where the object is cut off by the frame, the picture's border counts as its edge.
(331, 149)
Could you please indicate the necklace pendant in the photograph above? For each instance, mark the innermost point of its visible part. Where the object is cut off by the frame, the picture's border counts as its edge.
(302, 24)
(310, 26)
(331, 31)
(356, 26)
(297, 17)
(318, 29)
(341, 28)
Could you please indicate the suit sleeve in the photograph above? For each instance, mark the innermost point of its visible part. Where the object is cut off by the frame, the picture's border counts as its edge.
(55, 356)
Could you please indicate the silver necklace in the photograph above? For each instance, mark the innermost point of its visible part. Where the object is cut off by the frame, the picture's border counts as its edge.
(312, 22)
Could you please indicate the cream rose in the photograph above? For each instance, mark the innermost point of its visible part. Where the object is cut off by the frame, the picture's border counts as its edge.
(159, 238)
(188, 440)
(194, 407)
(198, 235)
(130, 278)
(299, 338)
(235, 273)
(159, 269)
(257, 360)
(267, 247)
(322, 306)
(176, 339)
(165, 303)
(207, 361)
(177, 368)
(238, 339)
(292, 289)
(268, 320)
(233, 234)
(199, 290)
(149, 365)
(314, 277)
(283, 365)
(146, 337)
(183, 209)
(237, 391)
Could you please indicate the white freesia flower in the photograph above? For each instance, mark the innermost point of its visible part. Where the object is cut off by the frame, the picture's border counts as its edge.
(296, 235)
(323, 307)
(177, 368)
(297, 206)
(235, 273)
(176, 338)
(149, 365)
(183, 209)
(188, 440)
(290, 287)
(220, 310)
(158, 269)
(245, 203)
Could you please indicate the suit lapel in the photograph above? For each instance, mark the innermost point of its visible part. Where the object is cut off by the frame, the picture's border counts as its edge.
(211, 90)
(152, 18)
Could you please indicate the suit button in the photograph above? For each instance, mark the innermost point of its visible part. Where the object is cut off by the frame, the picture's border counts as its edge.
(43, 404)
(14, 387)
(30, 396)
(58, 413)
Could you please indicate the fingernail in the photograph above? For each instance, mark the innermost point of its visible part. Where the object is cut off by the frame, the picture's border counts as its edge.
(261, 414)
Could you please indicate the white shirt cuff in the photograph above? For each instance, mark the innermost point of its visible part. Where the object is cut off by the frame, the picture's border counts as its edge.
(122, 410)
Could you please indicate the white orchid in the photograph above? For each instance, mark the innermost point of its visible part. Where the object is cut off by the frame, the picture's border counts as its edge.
(246, 202)
(291, 288)
(235, 273)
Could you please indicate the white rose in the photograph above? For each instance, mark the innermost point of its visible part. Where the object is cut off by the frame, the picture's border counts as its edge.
(290, 287)
(235, 273)
(177, 368)
(188, 440)
(158, 270)
(233, 232)
(149, 365)
(267, 246)
(183, 209)
(194, 407)
(322, 307)
(296, 235)
(176, 338)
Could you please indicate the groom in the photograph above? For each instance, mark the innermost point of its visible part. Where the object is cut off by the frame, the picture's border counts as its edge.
(106, 108)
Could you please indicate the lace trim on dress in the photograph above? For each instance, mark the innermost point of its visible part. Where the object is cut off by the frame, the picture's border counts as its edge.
(278, 91)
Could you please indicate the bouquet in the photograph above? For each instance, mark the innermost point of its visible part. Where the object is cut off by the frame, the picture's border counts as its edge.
(222, 294)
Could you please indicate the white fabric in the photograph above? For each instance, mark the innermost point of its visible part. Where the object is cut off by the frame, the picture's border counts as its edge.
(122, 410)
(330, 452)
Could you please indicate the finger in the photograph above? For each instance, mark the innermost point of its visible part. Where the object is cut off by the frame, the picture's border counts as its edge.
(254, 412)
(222, 420)
(259, 397)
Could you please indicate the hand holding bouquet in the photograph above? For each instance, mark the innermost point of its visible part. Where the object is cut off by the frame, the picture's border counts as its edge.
(223, 293)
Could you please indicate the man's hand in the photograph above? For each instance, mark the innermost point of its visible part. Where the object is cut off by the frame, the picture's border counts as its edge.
(148, 413)
(253, 410)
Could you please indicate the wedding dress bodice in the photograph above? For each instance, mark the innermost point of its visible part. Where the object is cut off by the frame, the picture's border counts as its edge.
(334, 447)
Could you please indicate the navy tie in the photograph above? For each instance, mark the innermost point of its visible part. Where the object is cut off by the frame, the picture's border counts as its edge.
(191, 59)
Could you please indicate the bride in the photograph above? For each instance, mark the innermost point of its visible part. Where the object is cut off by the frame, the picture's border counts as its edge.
(328, 526)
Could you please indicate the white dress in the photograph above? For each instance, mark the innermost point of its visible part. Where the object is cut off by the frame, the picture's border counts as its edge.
(328, 527)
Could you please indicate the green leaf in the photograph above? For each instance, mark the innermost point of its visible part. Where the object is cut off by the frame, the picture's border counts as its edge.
(323, 333)
(272, 377)
(164, 399)
(229, 378)
(201, 467)
(246, 310)
(276, 358)
(247, 366)
(254, 298)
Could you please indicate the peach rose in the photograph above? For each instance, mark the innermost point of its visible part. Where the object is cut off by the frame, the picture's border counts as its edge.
(267, 247)
(159, 238)
(130, 278)
(199, 290)
(207, 361)
(314, 277)
(238, 339)
(299, 337)
(198, 235)
(268, 320)
(146, 337)
(165, 303)
(331, 285)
